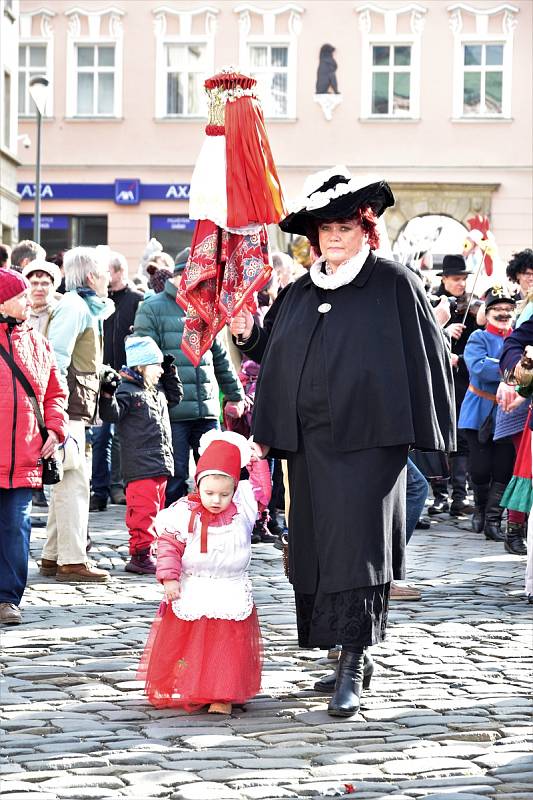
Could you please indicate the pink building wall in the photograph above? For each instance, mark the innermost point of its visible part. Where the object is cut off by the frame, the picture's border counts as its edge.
(433, 149)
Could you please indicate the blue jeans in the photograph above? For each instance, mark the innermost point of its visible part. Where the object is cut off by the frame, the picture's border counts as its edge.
(15, 530)
(417, 492)
(105, 460)
(185, 435)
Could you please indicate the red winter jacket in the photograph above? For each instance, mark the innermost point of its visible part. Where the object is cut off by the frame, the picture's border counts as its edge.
(20, 440)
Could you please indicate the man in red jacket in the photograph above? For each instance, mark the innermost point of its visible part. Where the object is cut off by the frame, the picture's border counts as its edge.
(21, 445)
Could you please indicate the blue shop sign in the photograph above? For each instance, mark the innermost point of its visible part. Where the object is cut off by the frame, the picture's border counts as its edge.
(162, 223)
(124, 191)
(48, 223)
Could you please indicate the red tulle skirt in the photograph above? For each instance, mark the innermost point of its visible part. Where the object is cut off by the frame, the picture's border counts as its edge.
(191, 664)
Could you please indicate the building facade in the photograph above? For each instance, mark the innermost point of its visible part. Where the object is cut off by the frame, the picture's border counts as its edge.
(9, 199)
(434, 96)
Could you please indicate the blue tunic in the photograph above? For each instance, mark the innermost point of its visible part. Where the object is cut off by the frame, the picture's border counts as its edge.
(482, 357)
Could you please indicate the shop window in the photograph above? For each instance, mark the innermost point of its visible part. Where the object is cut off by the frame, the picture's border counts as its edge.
(174, 233)
(62, 231)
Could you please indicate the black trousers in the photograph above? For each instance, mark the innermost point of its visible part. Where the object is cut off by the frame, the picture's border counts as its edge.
(492, 462)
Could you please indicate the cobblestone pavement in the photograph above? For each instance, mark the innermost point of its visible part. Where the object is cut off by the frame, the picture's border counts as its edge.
(448, 714)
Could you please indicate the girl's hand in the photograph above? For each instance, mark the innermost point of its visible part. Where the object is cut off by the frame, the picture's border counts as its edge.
(172, 590)
(49, 447)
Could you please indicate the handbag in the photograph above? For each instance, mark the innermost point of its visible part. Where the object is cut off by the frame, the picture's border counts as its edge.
(52, 468)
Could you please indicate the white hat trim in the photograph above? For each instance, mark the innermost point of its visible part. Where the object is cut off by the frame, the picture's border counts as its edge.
(310, 201)
(230, 437)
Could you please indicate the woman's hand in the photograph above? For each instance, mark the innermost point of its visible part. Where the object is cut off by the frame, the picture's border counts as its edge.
(49, 447)
(259, 451)
(172, 590)
(442, 311)
(242, 324)
(235, 410)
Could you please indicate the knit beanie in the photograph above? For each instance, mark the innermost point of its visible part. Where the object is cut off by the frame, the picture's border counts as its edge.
(11, 284)
(141, 351)
(222, 453)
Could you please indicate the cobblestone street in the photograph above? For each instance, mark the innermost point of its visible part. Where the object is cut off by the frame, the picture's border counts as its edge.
(448, 714)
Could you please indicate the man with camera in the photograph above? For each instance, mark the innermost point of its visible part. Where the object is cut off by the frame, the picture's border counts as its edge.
(453, 286)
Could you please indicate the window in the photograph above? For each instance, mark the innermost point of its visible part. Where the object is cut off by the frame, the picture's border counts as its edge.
(483, 78)
(174, 233)
(61, 231)
(391, 79)
(95, 80)
(186, 71)
(32, 61)
(6, 132)
(269, 65)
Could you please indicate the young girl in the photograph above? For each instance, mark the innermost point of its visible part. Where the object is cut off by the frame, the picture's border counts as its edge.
(148, 385)
(204, 647)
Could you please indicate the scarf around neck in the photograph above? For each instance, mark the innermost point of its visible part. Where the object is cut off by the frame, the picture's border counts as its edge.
(343, 275)
(207, 518)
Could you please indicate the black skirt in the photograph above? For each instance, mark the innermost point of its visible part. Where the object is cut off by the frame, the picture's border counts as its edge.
(346, 523)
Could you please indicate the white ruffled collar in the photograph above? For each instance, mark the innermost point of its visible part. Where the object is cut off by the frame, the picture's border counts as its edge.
(344, 274)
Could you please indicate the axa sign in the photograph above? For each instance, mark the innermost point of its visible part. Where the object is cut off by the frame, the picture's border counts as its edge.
(27, 191)
(177, 191)
(127, 191)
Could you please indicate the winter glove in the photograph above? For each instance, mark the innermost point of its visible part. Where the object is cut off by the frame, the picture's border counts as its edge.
(109, 380)
(169, 368)
(170, 381)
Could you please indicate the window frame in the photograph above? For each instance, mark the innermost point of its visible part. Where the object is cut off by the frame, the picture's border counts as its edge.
(47, 71)
(71, 108)
(368, 70)
(291, 69)
(162, 72)
(459, 72)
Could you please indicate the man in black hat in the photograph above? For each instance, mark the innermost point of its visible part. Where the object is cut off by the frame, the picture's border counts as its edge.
(453, 284)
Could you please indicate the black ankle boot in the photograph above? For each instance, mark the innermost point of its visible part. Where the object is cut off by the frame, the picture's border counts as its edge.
(326, 685)
(348, 686)
(494, 513)
(515, 539)
(481, 493)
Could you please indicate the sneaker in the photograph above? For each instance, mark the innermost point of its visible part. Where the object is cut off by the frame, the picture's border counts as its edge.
(10, 614)
(81, 573)
(141, 564)
(97, 503)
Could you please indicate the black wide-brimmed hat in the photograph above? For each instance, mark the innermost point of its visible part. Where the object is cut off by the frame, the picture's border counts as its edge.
(454, 265)
(334, 194)
(497, 294)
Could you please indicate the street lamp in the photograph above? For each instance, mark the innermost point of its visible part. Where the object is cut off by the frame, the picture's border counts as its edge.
(38, 89)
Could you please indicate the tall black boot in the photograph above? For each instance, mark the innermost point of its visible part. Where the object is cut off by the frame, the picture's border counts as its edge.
(515, 539)
(459, 470)
(326, 685)
(348, 686)
(439, 487)
(494, 513)
(481, 493)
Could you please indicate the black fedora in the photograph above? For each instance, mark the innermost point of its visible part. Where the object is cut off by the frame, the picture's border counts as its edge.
(335, 194)
(454, 265)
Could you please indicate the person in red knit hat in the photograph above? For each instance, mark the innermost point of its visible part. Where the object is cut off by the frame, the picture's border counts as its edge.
(204, 647)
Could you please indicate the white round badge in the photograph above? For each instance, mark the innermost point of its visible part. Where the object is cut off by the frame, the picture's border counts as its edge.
(324, 308)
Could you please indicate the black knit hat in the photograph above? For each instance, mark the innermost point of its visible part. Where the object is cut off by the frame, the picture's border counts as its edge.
(454, 265)
(335, 194)
(497, 294)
